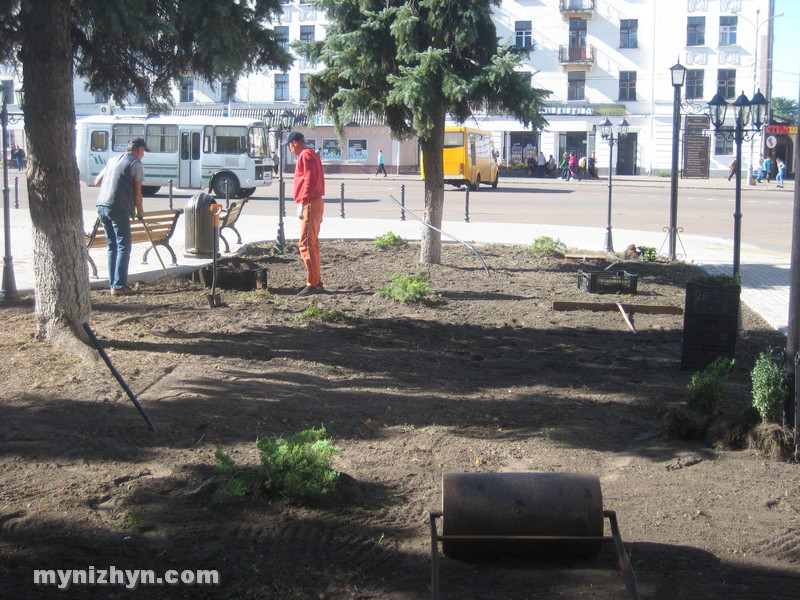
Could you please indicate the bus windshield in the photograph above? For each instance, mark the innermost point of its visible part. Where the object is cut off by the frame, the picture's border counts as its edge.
(257, 142)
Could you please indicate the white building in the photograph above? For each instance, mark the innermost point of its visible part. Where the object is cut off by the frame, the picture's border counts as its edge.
(599, 58)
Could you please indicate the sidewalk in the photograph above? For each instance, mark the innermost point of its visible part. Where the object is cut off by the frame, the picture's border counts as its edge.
(765, 275)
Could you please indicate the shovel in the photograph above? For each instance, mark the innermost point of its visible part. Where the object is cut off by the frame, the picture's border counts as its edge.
(213, 298)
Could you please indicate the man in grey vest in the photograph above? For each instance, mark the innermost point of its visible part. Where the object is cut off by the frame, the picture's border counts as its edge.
(119, 201)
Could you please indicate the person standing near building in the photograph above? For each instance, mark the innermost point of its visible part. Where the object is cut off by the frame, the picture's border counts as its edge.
(564, 166)
(592, 168)
(781, 166)
(732, 168)
(309, 188)
(768, 167)
(119, 201)
(540, 162)
(381, 163)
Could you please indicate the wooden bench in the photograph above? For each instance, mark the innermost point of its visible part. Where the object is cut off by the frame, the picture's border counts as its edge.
(160, 223)
(227, 220)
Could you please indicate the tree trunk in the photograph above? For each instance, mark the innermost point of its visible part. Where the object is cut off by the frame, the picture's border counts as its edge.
(62, 280)
(432, 148)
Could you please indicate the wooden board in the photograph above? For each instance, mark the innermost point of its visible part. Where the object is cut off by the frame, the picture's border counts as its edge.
(652, 309)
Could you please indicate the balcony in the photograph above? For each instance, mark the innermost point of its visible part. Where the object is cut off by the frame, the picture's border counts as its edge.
(576, 56)
(577, 8)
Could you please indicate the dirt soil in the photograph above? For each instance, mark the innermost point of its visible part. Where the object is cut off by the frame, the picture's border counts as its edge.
(482, 377)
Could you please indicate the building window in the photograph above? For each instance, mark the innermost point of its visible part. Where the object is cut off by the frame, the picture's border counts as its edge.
(306, 33)
(282, 36)
(696, 31)
(723, 144)
(726, 83)
(627, 85)
(727, 30)
(100, 98)
(694, 83)
(303, 86)
(526, 77)
(281, 86)
(576, 85)
(225, 90)
(629, 33)
(187, 89)
(523, 34)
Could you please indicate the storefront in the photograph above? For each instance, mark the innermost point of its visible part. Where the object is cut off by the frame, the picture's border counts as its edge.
(779, 143)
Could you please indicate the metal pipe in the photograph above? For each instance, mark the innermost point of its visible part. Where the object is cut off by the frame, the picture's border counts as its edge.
(673, 193)
(403, 202)
(341, 209)
(737, 214)
(16, 192)
(170, 194)
(9, 288)
(466, 204)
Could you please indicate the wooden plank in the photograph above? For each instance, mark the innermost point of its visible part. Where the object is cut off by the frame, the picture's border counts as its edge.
(627, 318)
(653, 309)
(586, 256)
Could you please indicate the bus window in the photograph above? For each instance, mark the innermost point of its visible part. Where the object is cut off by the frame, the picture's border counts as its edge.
(99, 141)
(208, 139)
(162, 138)
(229, 139)
(124, 133)
(453, 139)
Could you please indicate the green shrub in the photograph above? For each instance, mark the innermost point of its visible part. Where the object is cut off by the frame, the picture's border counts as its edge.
(706, 386)
(407, 288)
(770, 388)
(546, 245)
(649, 253)
(722, 279)
(326, 315)
(298, 466)
(389, 240)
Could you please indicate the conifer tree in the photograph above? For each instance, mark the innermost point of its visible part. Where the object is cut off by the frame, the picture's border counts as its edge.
(129, 49)
(412, 64)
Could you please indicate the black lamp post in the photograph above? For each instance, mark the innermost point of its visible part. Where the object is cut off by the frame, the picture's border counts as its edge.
(744, 110)
(607, 134)
(279, 124)
(678, 72)
(9, 289)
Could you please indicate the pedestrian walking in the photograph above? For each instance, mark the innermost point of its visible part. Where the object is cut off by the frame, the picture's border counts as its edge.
(564, 166)
(309, 188)
(381, 163)
(572, 166)
(732, 168)
(592, 168)
(540, 164)
(768, 167)
(119, 201)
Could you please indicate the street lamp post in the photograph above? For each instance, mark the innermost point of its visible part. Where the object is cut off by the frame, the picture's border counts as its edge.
(9, 287)
(756, 26)
(279, 124)
(678, 72)
(745, 111)
(607, 134)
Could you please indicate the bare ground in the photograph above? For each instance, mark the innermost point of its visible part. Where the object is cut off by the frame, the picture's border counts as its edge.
(484, 376)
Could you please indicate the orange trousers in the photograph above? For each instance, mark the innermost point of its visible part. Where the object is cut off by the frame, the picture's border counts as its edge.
(309, 240)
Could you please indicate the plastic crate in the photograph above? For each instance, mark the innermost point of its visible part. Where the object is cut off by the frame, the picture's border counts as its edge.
(607, 282)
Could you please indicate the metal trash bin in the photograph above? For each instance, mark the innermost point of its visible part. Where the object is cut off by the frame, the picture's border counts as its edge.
(199, 226)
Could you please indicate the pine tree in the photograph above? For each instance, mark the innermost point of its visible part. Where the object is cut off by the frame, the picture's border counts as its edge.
(127, 48)
(413, 63)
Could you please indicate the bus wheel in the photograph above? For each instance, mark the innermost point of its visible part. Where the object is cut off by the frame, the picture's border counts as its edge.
(150, 190)
(496, 179)
(477, 184)
(223, 182)
(246, 192)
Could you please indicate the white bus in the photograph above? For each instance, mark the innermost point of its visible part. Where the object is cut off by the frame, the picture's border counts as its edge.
(197, 152)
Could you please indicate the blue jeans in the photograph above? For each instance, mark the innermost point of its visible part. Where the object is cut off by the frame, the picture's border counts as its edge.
(118, 239)
(779, 178)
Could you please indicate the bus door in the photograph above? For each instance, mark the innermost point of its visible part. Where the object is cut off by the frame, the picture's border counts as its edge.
(189, 171)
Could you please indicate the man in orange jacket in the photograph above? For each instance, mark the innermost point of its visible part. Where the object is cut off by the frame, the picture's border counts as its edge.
(309, 188)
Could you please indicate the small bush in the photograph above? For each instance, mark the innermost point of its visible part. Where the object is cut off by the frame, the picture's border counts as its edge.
(649, 253)
(770, 388)
(407, 288)
(546, 245)
(722, 279)
(389, 240)
(298, 466)
(325, 315)
(706, 386)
